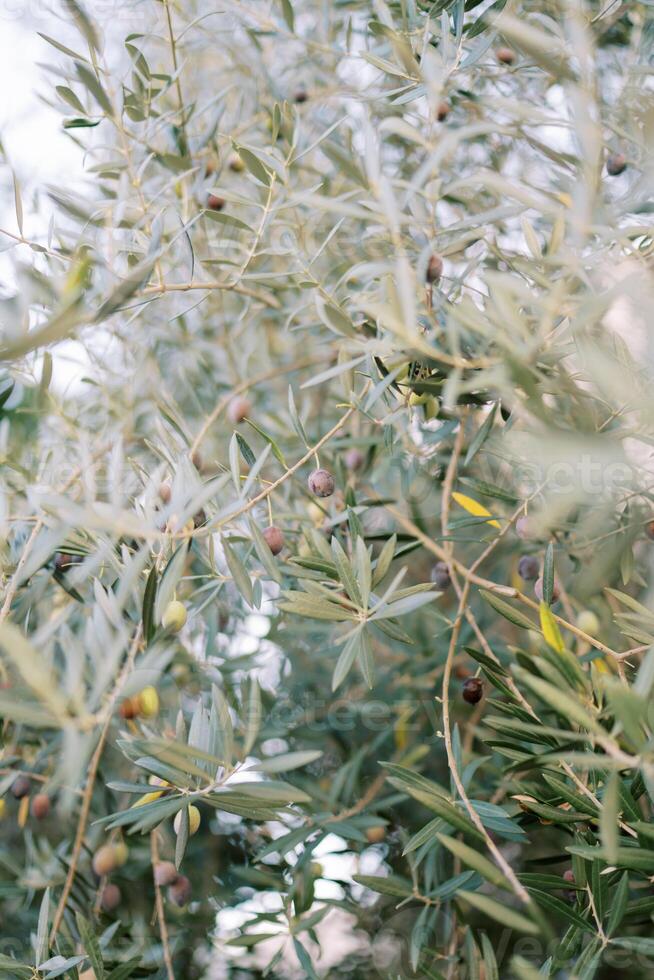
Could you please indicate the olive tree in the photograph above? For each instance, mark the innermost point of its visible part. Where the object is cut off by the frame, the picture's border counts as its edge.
(326, 626)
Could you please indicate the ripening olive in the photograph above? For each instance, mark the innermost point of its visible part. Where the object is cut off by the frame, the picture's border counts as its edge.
(110, 897)
(434, 269)
(148, 702)
(321, 483)
(193, 820)
(588, 622)
(107, 858)
(174, 617)
(129, 708)
(274, 538)
(165, 873)
(238, 409)
(473, 689)
(215, 203)
(40, 806)
(179, 893)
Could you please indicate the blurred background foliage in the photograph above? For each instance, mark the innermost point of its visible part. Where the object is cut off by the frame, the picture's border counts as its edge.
(326, 625)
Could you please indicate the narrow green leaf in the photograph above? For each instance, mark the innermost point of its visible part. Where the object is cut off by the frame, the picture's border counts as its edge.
(618, 908)
(182, 837)
(564, 704)
(287, 11)
(490, 963)
(346, 659)
(384, 560)
(91, 945)
(254, 165)
(481, 436)
(238, 572)
(504, 609)
(637, 944)
(228, 220)
(391, 885)
(149, 597)
(501, 913)
(18, 204)
(609, 817)
(634, 858)
(474, 860)
(254, 713)
(90, 80)
(43, 928)
(548, 574)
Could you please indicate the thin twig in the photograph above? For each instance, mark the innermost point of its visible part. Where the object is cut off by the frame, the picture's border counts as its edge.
(178, 84)
(185, 287)
(90, 782)
(161, 917)
(518, 889)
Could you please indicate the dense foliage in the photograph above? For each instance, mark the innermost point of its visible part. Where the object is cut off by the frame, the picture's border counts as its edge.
(325, 640)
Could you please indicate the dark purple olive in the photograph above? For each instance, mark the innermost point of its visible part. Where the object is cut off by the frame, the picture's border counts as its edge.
(20, 787)
(434, 269)
(179, 893)
(528, 567)
(63, 561)
(616, 164)
(473, 689)
(440, 575)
